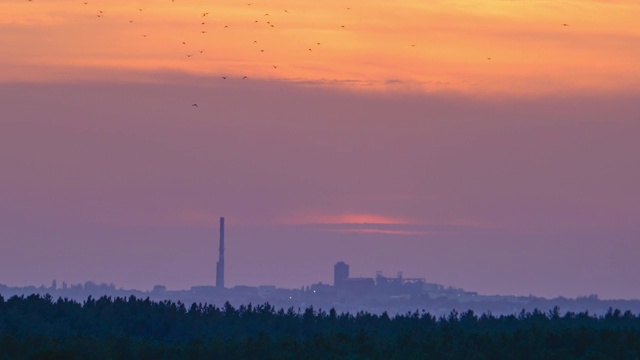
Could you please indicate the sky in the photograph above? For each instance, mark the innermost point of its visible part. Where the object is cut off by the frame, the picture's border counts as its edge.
(489, 145)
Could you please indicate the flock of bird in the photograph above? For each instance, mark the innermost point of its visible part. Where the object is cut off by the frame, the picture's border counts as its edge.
(203, 21)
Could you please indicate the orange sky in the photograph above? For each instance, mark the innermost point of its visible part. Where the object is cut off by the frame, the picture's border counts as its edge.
(530, 50)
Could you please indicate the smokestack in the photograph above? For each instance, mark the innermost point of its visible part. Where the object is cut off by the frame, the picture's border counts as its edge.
(220, 265)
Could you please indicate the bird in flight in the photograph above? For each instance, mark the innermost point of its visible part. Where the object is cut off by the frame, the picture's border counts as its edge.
(224, 77)
(244, 77)
(196, 105)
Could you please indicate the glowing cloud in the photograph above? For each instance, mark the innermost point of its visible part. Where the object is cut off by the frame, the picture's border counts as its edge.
(348, 218)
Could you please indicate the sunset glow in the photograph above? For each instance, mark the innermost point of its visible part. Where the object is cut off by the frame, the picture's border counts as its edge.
(515, 47)
(349, 218)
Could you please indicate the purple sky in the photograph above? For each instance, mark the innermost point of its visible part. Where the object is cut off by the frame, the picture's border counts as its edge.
(124, 182)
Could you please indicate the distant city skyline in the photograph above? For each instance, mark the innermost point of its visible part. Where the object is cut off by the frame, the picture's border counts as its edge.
(489, 147)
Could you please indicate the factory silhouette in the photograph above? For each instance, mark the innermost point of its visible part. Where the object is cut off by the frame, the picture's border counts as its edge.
(342, 283)
(393, 295)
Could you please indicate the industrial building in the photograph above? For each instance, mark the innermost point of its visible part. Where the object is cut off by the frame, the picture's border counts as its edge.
(380, 285)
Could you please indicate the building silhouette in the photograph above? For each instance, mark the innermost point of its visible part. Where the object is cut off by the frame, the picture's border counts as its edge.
(340, 274)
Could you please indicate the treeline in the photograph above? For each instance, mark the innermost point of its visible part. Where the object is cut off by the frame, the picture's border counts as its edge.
(40, 327)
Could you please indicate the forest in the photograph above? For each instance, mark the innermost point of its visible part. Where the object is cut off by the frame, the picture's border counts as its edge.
(41, 327)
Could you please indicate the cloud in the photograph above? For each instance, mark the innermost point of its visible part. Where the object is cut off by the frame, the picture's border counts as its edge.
(407, 229)
(367, 223)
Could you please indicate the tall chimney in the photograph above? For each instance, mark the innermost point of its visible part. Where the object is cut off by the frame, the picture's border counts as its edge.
(220, 265)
